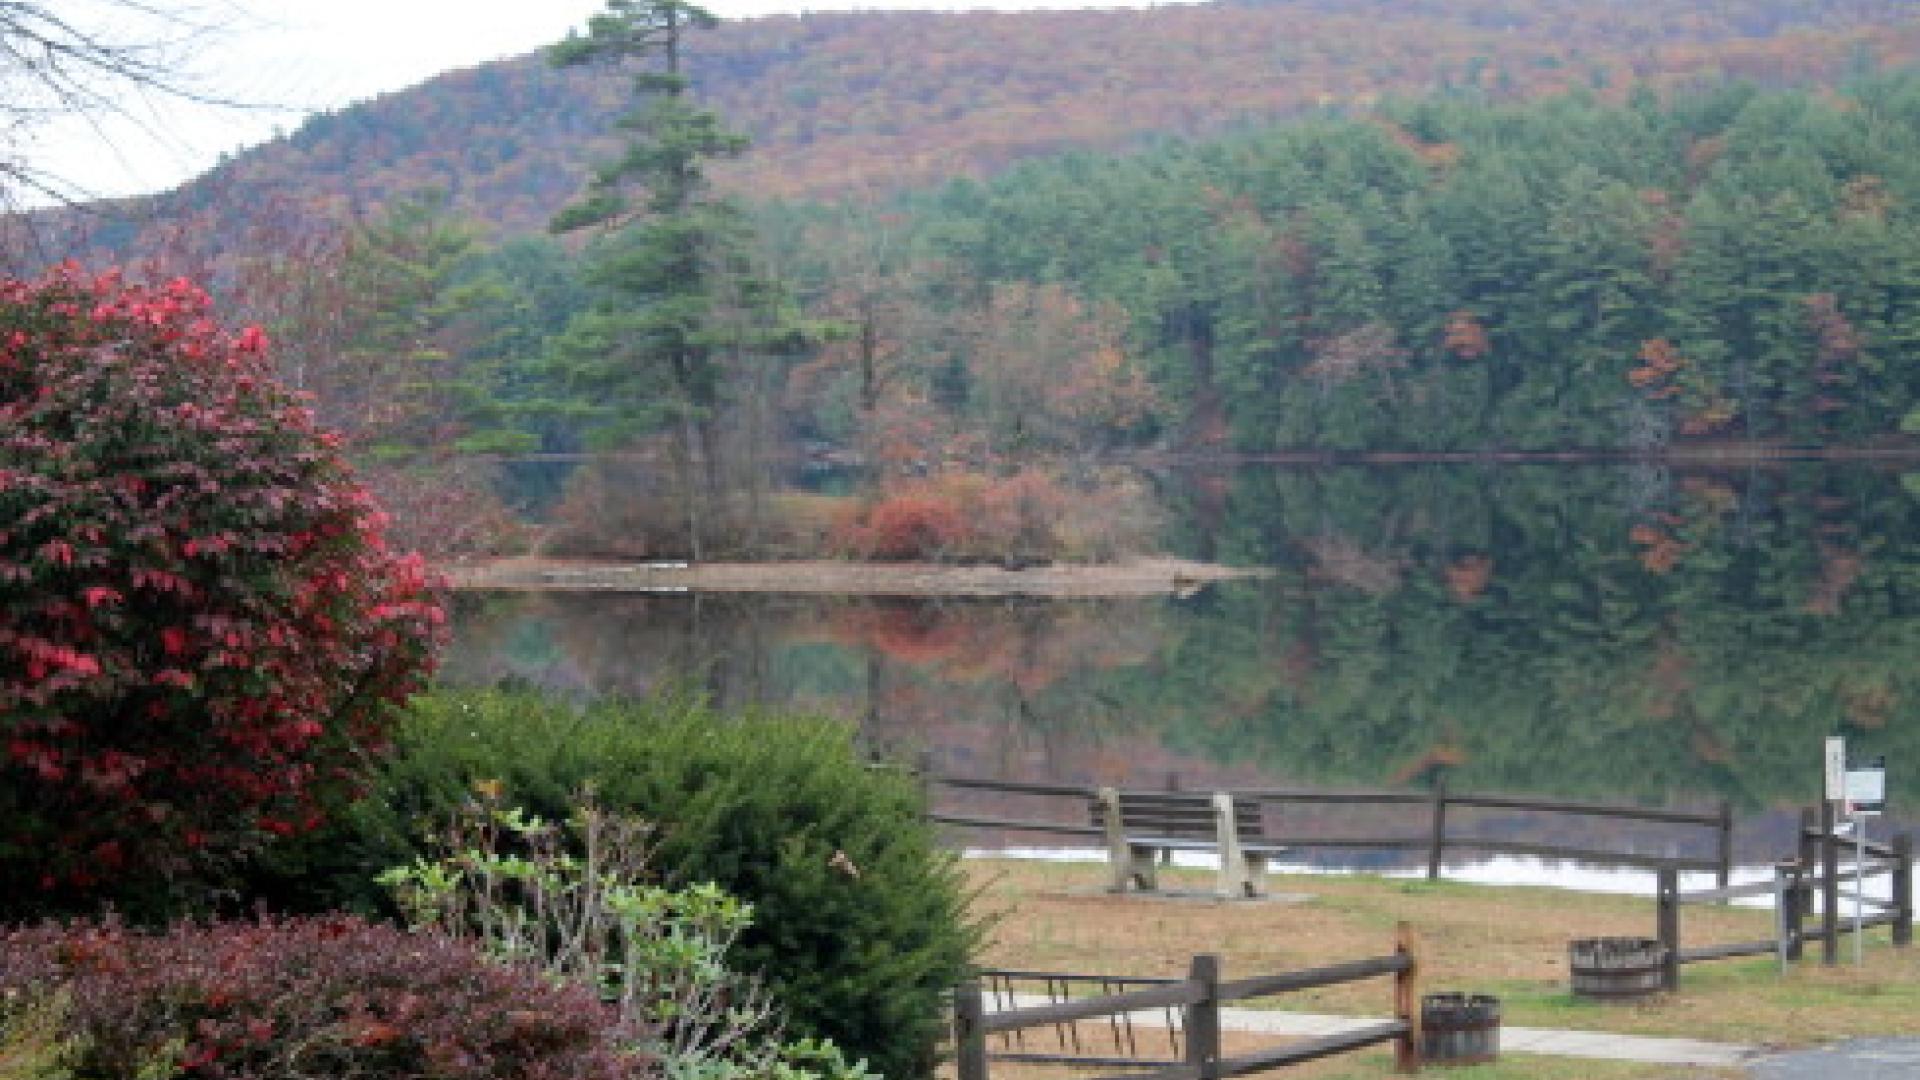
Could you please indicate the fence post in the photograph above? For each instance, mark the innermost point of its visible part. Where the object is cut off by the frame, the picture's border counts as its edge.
(1725, 869)
(1782, 912)
(1173, 784)
(1406, 999)
(969, 1037)
(1809, 865)
(1792, 911)
(923, 764)
(1903, 889)
(1667, 927)
(1439, 841)
(1203, 1017)
(1829, 888)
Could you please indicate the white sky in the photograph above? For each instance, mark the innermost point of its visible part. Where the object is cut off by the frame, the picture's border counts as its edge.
(303, 55)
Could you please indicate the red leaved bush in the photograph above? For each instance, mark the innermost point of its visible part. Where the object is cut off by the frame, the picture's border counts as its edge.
(201, 631)
(911, 525)
(1025, 517)
(319, 998)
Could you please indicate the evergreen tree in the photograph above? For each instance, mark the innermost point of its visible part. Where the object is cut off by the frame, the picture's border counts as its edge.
(412, 302)
(678, 294)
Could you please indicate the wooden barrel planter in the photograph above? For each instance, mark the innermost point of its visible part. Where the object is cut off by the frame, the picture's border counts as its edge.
(1459, 1029)
(1615, 968)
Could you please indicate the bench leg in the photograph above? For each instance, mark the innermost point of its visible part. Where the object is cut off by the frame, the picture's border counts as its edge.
(1144, 868)
(1119, 852)
(1234, 881)
(1236, 877)
(1256, 875)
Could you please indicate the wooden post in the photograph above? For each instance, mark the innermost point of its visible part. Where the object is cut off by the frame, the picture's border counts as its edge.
(1173, 784)
(1793, 913)
(1903, 889)
(1438, 842)
(1829, 888)
(1667, 925)
(1782, 910)
(1203, 1018)
(969, 1036)
(1809, 862)
(1406, 999)
(923, 764)
(1725, 870)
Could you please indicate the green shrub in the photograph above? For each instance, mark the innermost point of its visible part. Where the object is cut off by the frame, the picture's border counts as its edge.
(859, 923)
(577, 903)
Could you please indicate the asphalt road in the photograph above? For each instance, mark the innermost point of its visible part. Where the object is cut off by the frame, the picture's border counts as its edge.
(1860, 1059)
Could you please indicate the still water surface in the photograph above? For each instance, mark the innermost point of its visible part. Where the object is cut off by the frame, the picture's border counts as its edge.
(1645, 634)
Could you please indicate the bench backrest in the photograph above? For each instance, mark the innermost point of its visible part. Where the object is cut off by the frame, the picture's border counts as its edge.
(1177, 814)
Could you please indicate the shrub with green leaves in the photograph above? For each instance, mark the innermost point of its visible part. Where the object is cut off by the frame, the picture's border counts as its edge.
(859, 925)
(576, 903)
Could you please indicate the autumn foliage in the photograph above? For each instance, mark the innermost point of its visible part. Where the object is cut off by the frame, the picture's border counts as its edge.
(291, 1000)
(201, 631)
(962, 517)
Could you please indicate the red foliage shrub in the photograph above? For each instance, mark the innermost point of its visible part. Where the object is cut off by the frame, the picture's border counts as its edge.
(201, 631)
(915, 525)
(288, 1000)
(1025, 516)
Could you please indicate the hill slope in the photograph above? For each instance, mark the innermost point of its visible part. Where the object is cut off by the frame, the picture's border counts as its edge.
(845, 102)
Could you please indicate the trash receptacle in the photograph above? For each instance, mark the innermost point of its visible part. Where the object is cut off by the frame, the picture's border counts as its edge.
(1616, 968)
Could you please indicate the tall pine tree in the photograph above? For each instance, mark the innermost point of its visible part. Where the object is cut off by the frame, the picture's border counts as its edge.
(680, 301)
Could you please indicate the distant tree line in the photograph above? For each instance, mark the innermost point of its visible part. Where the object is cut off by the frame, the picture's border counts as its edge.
(1730, 264)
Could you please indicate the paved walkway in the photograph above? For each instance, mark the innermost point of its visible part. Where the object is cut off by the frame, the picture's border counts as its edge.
(1860, 1059)
(1516, 1040)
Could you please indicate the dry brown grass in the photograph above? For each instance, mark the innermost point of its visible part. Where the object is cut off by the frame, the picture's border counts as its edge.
(1507, 941)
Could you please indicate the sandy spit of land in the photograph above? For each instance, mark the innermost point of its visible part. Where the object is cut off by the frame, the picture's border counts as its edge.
(1142, 577)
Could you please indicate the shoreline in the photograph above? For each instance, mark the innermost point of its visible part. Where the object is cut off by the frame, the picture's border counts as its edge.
(1140, 578)
(1697, 455)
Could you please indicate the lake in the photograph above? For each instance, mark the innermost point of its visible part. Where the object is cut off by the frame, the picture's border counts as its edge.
(1636, 633)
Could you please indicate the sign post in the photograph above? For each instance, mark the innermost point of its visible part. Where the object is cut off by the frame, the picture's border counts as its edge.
(1866, 796)
(1835, 787)
(1833, 790)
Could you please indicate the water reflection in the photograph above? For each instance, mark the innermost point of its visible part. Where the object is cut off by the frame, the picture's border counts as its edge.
(1641, 634)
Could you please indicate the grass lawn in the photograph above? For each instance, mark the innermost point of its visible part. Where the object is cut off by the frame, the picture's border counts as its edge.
(1506, 941)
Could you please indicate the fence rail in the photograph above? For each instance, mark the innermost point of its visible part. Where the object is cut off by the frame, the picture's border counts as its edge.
(1816, 867)
(1199, 996)
(1435, 839)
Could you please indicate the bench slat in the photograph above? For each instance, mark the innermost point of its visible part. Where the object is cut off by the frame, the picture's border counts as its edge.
(1186, 820)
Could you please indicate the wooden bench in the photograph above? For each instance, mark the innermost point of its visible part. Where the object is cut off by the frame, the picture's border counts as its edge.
(1141, 826)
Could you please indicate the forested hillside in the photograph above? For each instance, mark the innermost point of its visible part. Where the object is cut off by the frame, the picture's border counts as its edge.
(847, 102)
(1667, 248)
(1447, 275)
(1728, 265)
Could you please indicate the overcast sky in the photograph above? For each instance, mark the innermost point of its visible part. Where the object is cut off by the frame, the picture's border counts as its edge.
(302, 55)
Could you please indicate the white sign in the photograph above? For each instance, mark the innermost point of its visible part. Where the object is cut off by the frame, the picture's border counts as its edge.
(1836, 785)
(1867, 787)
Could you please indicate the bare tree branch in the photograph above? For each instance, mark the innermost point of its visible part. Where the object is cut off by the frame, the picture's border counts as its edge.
(101, 61)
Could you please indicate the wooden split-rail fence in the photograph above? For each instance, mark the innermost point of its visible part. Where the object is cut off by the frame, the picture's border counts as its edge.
(1139, 827)
(1194, 1050)
(1817, 869)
